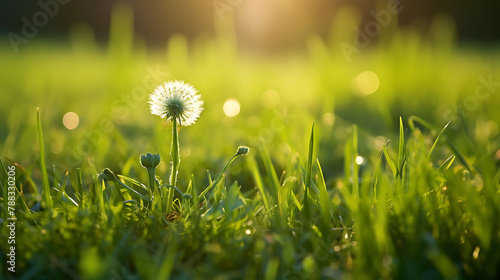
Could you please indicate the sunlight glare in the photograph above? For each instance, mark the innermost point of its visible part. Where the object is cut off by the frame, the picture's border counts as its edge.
(231, 107)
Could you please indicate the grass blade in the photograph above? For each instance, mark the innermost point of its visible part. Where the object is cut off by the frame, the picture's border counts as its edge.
(309, 175)
(43, 166)
(401, 152)
(133, 181)
(390, 161)
(324, 200)
(79, 183)
(258, 180)
(63, 187)
(446, 164)
(133, 192)
(355, 166)
(437, 139)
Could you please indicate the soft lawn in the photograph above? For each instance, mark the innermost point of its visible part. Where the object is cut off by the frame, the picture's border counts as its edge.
(412, 217)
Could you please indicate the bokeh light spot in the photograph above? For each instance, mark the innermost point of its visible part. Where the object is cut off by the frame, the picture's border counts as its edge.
(71, 120)
(56, 147)
(365, 83)
(185, 152)
(328, 119)
(360, 160)
(270, 98)
(231, 107)
(380, 142)
(491, 128)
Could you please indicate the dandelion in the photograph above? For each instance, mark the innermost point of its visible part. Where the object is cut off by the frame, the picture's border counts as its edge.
(178, 104)
(176, 101)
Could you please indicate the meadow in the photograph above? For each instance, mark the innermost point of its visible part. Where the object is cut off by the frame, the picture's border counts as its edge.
(398, 178)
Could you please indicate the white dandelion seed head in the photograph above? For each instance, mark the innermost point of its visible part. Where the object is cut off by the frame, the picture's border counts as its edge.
(176, 100)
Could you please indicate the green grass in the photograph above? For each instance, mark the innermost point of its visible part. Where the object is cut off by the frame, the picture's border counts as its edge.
(424, 205)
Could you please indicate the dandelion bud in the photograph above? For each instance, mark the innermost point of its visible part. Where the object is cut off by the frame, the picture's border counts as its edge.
(242, 150)
(150, 160)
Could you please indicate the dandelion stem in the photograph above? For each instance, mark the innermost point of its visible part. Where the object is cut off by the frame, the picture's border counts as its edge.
(174, 152)
(156, 191)
(242, 150)
(214, 183)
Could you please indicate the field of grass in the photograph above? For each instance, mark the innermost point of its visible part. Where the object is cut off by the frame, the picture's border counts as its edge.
(380, 187)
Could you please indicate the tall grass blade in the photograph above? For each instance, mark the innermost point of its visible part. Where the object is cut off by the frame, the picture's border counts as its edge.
(401, 152)
(79, 186)
(309, 176)
(355, 166)
(390, 161)
(254, 169)
(63, 188)
(437, 139)
(324, 200)
(43, 166)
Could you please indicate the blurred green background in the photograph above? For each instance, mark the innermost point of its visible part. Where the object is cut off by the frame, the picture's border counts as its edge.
(266, 71)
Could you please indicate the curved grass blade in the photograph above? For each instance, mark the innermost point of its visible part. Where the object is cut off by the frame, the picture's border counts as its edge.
(390, 161)
(446, 164)
(133, 181)
(133, 192)
(437, 139)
